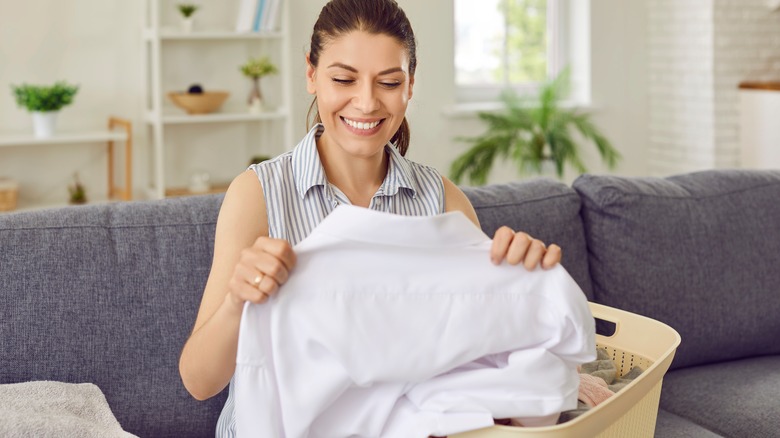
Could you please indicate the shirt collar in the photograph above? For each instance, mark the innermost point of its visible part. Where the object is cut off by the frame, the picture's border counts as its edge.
(307, 167)
(308, 171)
(447, 230)
(399, 174)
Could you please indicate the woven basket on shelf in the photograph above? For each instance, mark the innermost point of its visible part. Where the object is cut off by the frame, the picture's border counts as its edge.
(9, 191)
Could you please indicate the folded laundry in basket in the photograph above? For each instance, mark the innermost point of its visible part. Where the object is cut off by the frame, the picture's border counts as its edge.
(591, 391)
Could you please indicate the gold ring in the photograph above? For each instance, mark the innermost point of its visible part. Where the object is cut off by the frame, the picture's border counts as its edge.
(256, 282)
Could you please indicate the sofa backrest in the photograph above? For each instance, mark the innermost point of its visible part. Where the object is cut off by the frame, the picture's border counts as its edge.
(696, 251)
(547, 210)
(107, 294)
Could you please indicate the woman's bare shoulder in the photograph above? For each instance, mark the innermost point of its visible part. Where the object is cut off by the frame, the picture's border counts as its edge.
(244, 206)
(456, 200)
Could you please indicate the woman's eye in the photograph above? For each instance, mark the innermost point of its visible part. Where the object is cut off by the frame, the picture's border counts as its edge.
(390, 84)
(343, 81)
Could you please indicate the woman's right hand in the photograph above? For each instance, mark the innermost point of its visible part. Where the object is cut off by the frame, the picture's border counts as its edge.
(261, 269)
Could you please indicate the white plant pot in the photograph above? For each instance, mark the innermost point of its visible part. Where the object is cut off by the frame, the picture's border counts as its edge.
(186, 25)
(199, 182)
(44, 123)
(256, 106)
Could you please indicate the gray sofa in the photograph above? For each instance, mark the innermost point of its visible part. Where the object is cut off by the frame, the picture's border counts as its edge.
(107, 294)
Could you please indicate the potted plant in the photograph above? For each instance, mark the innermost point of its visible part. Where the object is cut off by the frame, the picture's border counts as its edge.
(532, 133)
(255, 69)
(257, 159)
(187, 10)
(44, 103)
(78, 194)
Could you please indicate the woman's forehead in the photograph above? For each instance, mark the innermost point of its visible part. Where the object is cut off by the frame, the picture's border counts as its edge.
(365, 51)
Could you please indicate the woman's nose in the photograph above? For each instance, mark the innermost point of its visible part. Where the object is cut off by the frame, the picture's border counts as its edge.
(365, 100)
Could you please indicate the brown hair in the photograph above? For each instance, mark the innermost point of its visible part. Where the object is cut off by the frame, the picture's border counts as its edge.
(385, 17)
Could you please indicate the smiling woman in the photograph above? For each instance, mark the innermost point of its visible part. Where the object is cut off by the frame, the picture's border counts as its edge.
(362, 85)
(360, 70)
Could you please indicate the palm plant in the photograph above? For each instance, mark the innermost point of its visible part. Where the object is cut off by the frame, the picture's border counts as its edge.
(532, 133)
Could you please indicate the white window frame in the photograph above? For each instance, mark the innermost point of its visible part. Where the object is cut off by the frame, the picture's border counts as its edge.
(569, 44)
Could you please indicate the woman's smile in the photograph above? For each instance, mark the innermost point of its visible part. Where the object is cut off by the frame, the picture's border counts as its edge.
(362, 127)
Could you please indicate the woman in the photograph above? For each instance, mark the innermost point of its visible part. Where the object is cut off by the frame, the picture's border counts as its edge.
(360, 70)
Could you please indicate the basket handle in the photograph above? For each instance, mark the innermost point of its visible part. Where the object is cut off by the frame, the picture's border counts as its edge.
(631, 329)
(602, 313)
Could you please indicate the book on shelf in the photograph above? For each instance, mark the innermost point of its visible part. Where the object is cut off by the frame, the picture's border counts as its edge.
(258, 15)
(259, 12)
(246, 14)
(272, 16)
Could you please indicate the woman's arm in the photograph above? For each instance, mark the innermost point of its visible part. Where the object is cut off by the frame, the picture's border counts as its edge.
(243, 253)
(514, 247)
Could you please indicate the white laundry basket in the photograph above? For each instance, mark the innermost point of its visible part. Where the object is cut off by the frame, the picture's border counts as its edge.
(631, 412)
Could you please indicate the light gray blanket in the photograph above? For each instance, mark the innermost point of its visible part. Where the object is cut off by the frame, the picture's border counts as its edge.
(56, 409)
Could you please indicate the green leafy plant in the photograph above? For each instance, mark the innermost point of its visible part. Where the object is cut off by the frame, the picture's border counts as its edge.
(187, 9)
(531, 132)
(256, 68)
(78, 194)
(43, 98)
(256, 159)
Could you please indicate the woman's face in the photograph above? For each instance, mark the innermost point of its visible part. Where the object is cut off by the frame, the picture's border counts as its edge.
(363, 87)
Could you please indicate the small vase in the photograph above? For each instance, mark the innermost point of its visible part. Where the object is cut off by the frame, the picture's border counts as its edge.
(186, 24)
(200, 182)
(255, 100)
(44, 123)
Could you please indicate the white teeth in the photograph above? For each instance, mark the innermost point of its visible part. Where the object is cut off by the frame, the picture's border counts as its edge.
(361, 125)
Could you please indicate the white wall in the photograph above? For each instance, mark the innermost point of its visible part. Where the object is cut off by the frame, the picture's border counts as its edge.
(97, 44)
(699, 53)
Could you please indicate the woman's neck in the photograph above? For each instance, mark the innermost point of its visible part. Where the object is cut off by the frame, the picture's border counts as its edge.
(357, 177)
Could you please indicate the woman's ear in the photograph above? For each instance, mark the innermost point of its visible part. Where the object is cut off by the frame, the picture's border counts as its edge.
(311, 76)
(411, 87)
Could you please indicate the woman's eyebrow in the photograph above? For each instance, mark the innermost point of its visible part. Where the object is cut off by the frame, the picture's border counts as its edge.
(354, 70)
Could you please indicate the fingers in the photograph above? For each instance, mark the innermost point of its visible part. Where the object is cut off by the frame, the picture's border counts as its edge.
(534, 255)
(519, 247)
(261, 269)
(242, 286)
(552, 257)
(271, 257)
(277, 248)
(501, 240)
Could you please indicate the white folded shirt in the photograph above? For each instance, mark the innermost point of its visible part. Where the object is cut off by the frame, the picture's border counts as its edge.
(399, 326)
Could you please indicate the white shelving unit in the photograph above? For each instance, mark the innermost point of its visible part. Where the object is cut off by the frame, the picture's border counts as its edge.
(119, 130)
(162, 38)
(18, 139)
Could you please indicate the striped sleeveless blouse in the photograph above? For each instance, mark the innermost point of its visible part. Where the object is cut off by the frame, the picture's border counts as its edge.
(298, 196)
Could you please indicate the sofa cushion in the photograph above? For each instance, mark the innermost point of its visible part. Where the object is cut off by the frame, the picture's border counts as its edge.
(696, 251)
(547, 210)
(668, 425)
(737, 398)
(107, 294)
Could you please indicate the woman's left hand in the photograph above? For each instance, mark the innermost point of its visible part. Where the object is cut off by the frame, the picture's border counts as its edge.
(519, 247)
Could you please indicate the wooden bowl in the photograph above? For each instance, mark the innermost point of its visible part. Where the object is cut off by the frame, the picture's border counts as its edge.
(200, 103)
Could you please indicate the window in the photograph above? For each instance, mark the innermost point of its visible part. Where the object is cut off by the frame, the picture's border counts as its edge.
(507, 43)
